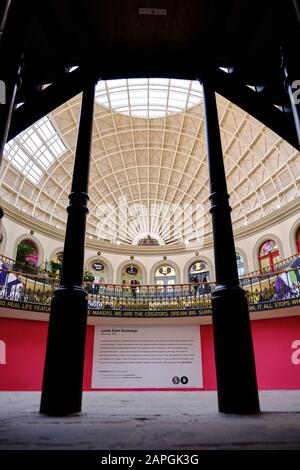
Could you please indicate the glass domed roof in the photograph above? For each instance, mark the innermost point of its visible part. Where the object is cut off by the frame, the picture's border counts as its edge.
(149, 165)
(148, 97)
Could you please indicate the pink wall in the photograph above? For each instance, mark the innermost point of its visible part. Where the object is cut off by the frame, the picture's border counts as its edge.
(25, 352)
(276, 344)
(276, 366)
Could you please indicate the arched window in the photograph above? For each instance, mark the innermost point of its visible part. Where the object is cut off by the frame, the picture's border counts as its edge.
(268, 255)
(240, 264)
(198, 272)
(165, 275)
(55, 263)
(298, 240)
(130, 273)
(28, 253)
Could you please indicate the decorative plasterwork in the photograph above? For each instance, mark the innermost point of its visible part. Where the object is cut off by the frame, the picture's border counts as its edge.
(42, 228)
(149, 176)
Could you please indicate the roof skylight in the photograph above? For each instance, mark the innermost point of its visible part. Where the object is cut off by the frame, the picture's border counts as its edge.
(148, 97)
(35, 149)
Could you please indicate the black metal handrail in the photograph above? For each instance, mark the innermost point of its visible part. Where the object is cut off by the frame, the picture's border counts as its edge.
(279, 266)
(39, 289)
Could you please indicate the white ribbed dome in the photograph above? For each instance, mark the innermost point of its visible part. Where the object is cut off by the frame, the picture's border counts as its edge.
(149, 175)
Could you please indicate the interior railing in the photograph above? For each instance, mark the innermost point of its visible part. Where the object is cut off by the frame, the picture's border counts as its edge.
(38, 289)
(25, 267)
(279, 266)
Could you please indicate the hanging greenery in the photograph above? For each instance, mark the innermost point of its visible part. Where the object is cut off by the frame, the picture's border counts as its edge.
(24, 250)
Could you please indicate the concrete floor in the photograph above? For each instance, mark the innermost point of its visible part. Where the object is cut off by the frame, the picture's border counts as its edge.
(150, 420)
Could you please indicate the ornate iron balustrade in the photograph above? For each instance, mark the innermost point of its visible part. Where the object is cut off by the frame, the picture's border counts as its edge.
(278, 267)
(266, 290)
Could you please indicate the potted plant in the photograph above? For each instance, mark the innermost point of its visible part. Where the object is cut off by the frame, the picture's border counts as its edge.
(88, 276)
(24, 250)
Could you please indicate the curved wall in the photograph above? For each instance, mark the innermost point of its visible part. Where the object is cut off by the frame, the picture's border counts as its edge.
(247, 242)
(276, 345)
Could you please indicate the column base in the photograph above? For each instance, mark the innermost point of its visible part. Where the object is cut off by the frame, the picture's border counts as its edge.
(63, 372)
(235, 365)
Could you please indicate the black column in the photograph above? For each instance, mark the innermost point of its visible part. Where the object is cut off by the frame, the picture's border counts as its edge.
(11, 51)
(11, 57)
(63, 372)
(235, 366)
(290, 68)
(8, 90)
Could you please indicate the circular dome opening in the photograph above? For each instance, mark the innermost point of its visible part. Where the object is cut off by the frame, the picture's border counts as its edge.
(148, 97)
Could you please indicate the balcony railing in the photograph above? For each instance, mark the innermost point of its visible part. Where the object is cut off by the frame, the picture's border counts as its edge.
(265, 289)
(25, 268)
(279, 266)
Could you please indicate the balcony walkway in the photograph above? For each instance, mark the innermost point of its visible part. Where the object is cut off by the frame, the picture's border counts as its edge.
(268, 292)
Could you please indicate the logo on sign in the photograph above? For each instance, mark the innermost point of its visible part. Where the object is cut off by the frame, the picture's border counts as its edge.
(184, 380)
(98, 266)
(164, 270)
(199, 266)
(2, 352)
(131, 270)
(176, 380)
